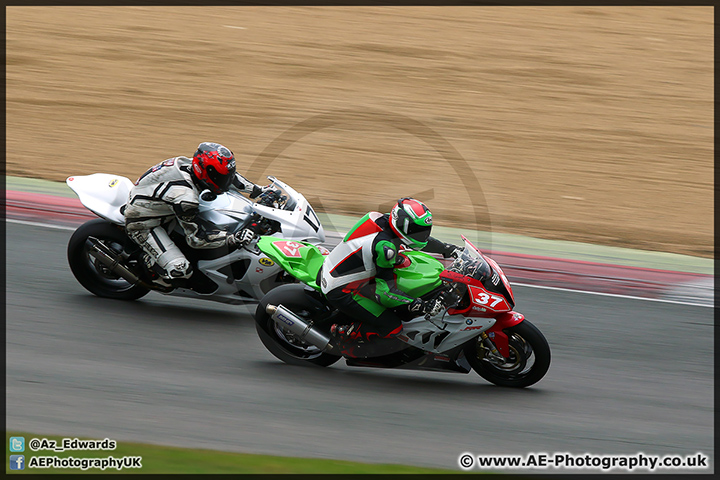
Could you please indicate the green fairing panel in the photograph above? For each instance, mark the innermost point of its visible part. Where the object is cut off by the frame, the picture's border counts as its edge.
(302, 260)
(421, 277)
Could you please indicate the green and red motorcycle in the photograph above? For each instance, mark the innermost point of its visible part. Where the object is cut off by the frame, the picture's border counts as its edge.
(477, 330)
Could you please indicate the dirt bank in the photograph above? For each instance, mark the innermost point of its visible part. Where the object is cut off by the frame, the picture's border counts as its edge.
(579, 123)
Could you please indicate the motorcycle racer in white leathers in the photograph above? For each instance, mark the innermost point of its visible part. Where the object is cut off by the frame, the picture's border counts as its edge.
(170, 190)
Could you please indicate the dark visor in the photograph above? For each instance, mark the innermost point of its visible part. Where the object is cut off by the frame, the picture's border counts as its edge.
(222, 181)
(419, 233)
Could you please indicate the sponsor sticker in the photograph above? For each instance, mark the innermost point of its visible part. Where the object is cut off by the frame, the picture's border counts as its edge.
(266, 261)
(113, 182)
(285, 319)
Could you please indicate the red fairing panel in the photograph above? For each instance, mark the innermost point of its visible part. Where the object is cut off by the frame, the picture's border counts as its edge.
(496, 334)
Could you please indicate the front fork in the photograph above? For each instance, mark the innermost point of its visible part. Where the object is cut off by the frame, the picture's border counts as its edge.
(495, 339)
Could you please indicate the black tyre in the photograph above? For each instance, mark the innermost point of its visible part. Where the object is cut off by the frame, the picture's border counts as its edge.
(528, 362)
(281, 342)
(92, 274)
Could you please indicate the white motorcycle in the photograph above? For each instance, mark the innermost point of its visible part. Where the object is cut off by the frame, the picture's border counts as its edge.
(109, 264)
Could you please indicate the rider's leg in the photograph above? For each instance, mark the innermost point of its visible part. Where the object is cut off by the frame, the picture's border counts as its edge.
(164, 256)
(370, 320)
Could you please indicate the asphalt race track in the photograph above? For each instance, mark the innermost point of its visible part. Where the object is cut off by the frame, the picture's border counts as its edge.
(627, 376)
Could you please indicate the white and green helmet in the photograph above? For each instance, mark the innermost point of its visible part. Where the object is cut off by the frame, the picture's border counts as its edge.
(411, 220)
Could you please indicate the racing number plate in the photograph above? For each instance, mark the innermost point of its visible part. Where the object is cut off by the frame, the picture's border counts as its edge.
(289, 249)
(496, 303)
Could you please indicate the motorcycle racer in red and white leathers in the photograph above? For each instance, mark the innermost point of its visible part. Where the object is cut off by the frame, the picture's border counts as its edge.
(357, 276)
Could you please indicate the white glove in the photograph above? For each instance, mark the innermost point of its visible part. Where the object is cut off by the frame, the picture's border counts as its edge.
(241, 238)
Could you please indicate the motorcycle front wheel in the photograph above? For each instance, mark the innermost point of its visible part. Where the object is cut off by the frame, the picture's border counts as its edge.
(281, 342)
(528, 362)
(93, 275)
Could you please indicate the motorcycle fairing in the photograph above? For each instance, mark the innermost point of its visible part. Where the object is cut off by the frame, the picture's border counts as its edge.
(454, 330)
(496, 334)
(302, 260)
(103, 194)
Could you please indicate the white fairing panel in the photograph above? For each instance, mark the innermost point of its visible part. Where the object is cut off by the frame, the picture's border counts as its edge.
(454, 330)
(102, 193)
(226, 211)
(300, 222)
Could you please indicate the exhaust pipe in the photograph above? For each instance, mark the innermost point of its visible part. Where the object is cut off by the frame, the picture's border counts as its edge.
(299, 327)
(111, 260)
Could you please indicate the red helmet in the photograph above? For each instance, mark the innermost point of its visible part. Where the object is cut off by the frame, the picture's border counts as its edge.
(214, 167)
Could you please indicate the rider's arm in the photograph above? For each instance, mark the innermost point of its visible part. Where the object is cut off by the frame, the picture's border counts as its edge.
(246, 186)
(386, 291)
(196, 235)
(436, 246)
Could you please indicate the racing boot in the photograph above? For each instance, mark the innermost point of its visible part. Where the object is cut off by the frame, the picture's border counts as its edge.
(347, 338)
(358, 341)
(159, 276)
(344, 332)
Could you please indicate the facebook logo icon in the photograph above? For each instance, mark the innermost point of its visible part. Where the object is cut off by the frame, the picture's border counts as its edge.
(17, 462)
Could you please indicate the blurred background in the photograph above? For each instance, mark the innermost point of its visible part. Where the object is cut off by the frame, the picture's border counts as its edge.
(592, 124)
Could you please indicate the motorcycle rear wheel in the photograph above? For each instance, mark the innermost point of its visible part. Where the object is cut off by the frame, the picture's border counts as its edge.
(95, 277)
(528, 362)
(281, 342)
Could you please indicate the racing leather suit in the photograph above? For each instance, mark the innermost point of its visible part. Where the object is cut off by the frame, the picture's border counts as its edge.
(164, 192)
(357, 277)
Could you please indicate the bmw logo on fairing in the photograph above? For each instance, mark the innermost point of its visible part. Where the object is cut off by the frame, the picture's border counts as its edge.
(468, 322)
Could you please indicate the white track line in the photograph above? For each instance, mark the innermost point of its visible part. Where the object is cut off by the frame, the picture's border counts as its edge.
(38, 224)
(617, 295)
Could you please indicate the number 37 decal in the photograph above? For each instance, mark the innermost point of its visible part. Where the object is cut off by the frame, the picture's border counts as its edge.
(289, 249)
(492, 302)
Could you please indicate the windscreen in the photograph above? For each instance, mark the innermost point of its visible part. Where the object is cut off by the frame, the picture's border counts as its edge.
(471, 263)
(277, 197)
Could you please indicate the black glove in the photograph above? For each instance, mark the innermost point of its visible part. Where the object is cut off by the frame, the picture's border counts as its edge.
(416, 306)
(452, 251)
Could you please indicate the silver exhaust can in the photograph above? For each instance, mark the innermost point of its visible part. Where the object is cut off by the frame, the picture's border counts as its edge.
(299, 327)
(108, 258)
